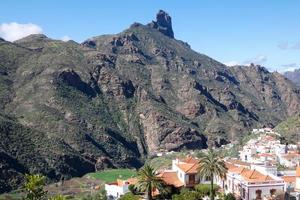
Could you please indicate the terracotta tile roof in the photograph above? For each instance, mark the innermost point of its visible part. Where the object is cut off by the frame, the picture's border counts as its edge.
(254, 175)
(190, 159)
(298, 171)
(189, 168)
(289, 179)
(170, 178)
(129, 181)
(248, 174)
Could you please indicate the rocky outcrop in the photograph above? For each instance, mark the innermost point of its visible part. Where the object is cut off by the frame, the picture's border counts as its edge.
(163, 24)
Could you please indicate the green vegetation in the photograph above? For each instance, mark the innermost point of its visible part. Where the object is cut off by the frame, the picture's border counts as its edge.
(210, 166)
(58, 197)
(34, 187)
(113, 174)
(147, 181)
(100, 195)
(205, 189)
(129, 196)
(290, 129)
(229, 196)
(186, 194)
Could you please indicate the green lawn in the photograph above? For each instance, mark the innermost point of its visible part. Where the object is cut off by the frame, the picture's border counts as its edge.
(113, 174)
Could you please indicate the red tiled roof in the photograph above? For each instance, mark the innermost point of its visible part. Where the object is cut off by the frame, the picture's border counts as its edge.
(289, 179)
(170, 178)
(190, 159)
(248, 174)
(189, 168)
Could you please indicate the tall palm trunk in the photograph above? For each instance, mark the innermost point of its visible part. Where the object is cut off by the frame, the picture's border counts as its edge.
(149, 195)
(212, 191)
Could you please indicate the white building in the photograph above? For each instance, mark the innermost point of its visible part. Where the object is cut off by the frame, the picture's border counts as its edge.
(289, 160)
(251, 184)
(116, 189)
(247, 153)
(265, 168)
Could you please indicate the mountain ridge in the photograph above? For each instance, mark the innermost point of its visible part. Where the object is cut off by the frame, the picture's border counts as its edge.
(114, 100)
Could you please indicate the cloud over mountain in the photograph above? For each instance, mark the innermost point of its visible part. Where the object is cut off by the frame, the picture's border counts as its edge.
(14, 31)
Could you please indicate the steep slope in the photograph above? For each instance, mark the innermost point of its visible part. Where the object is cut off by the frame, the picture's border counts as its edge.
(293, 76)
(116, 99)
(290, 129)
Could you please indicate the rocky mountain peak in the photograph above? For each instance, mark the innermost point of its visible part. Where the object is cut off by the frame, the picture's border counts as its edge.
(163, 23)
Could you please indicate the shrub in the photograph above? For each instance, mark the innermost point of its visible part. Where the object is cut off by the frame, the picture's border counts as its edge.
(129, 196)
(133, 189)
(204, 189)
(187, 194)
(34, 187)
(229, 196)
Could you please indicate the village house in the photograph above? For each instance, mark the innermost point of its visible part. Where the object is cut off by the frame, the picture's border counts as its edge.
(116, 189)
(251, 184)
(184, 172)
(290, 160)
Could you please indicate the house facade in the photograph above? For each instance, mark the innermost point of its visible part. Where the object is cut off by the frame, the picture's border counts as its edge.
(248, 184)
(116, 189)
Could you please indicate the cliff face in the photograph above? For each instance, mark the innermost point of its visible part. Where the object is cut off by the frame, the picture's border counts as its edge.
(69, 108)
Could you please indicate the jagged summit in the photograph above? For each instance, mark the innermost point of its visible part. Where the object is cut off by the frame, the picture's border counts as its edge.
(163, 23)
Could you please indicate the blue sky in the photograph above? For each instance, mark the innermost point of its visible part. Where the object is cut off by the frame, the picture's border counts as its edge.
(264, 32)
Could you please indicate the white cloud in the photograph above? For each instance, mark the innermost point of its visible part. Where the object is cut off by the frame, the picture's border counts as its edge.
(66, 38)
(258, 60)
(231, 63)
(14, 31)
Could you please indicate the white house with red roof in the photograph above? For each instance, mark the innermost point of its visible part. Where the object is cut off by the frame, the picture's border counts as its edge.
(118, 188)
(187, 171)
(184, 173)
(249, 184)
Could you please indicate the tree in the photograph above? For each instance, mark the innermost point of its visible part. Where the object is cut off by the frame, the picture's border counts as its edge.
(204, 189)
(186, 194)
(211, 165)
(34, 187)
(229, 196)
(129, 196)
(148, 181)
(132, 189)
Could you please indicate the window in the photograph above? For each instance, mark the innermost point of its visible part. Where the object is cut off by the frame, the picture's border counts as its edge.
(258, 194)
(272, 192)
(244, 193)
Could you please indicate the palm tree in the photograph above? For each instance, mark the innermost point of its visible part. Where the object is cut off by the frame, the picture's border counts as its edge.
(211, 165)
(148, 181)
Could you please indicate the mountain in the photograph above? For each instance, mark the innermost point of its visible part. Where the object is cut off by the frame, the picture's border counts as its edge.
(114, 100)
(290, 129)
(293, 76)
